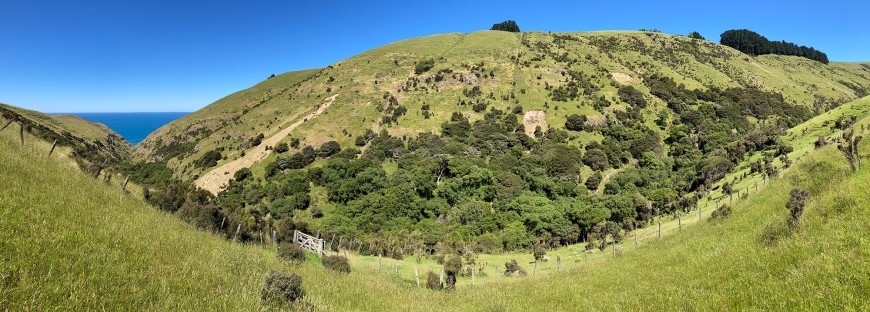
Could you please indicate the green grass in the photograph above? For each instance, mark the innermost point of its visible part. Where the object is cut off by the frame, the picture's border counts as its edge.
(69, 242)
(362, 80)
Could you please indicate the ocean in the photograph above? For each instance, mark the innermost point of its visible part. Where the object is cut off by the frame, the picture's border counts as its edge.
(134, 127)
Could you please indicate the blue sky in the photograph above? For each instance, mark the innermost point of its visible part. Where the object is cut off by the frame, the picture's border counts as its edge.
(135, 56)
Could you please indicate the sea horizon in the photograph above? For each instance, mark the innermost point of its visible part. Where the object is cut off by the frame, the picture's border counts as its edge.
(133, 126)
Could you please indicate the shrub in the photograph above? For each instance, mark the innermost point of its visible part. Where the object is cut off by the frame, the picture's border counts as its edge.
(433, 281)
(424, 66)
(593, 181)
(336, 263)
(242, 174)
(575, 122)
(451, 270)
(208, 160)
(281, 148)
(329, 148)
(513, 268)
(796, 204)
(539, 252)
(291, 252)
(282, 287)
(696, 35)
(721, 213)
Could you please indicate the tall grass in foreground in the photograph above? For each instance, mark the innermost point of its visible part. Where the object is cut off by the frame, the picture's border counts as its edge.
(67, 242)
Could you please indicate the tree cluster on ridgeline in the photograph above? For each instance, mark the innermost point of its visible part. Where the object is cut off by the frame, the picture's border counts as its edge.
(752, 43)
(508, 25)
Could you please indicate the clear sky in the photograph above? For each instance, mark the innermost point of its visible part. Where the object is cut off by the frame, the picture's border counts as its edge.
(156, 55)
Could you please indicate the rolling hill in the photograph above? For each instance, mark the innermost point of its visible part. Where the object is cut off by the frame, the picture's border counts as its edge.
(98, 248)
(536, 71)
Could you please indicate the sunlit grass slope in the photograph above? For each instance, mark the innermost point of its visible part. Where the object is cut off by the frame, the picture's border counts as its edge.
(68, 242)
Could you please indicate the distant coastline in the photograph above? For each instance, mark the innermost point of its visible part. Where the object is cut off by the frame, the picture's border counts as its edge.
(134, 127)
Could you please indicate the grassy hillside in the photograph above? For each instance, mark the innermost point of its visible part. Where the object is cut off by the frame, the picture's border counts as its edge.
(84, 141)
(517, 69)
(68, 242)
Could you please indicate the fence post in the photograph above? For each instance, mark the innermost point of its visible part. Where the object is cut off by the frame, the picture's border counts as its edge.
(295, 237)
(379, 263)
(635, 239)
(756, 185)
(559, 263)
(123, 187)
(441, 278)
(238, 228)
(52, 147)
(275, 239)
(680, 222)
(345, 254)
(474, 268)
(699, 212)
(21, 132)
(660, 230)
(416, 274)
(535, 272)
(396, 265)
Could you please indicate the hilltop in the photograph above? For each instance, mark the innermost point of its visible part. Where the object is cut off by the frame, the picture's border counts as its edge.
(558, 73)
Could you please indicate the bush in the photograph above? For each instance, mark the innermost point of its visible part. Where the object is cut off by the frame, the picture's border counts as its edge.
(513, 268)
(242, 174)
(721, 213)
(282, 287)
(336, 263)
(291, 252)
(329, 148)
(208, 160)
(451, 269)
(593, 181)
(575, 122)
(796, 204)
(696, 35)
(424, 66)
(281, 148)
(433, 281)
(539, 252)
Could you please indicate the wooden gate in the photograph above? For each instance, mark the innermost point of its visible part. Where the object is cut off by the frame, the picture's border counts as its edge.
(310, 243)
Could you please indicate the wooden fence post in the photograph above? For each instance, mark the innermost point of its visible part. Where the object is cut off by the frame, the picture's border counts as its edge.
(345, 254)
(756, 185)
(53, 145)
(416, 275)
(535, 272)
(586, 256)
(472, 274)
(699, 212)
(124, 187)
(275, 238)
(238, 228)
(222, 222)
(396, 265)
(559, 263)
(635, 239)
(660, 230)
(441, 278)
(21, 132)
(379, 263)
(680, 222)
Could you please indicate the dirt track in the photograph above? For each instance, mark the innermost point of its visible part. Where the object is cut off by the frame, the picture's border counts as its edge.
(215, 180)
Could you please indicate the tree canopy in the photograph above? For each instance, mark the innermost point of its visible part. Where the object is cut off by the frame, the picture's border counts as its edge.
(508, 25)
(752, 43)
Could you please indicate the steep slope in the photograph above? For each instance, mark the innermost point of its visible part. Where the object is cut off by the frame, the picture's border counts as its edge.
(89, 142)
(557, 73)
(70, 243)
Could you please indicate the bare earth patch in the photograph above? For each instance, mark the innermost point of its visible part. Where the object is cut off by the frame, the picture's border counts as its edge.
(215, 180)
(533, 119)
(621, 78)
